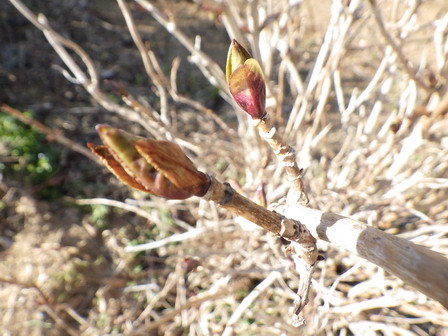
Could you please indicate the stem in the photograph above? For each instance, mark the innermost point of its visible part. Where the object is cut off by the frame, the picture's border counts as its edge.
(286, 156)
(303, 244)
(417, 266)
(229, 199)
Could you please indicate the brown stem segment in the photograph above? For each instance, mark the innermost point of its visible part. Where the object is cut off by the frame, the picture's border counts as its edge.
(285, 154)
(303, 244)
(226, 197)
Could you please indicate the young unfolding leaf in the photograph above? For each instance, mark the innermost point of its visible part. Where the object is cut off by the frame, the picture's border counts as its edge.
(156, 167)
(246, 81)
(115, 167)
(236, 56)
(168, 159)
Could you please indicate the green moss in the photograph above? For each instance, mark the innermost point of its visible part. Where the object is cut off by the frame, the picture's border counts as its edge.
(99, 214)
(27, 156)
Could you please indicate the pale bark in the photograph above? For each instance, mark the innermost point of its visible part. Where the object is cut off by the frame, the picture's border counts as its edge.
(416, 265)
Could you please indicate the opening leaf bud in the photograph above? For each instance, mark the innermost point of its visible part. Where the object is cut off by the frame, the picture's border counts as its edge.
(157, 167)
(246, 81)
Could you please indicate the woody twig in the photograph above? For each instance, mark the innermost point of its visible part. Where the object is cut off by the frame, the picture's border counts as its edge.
(286, 157)
(247, 87)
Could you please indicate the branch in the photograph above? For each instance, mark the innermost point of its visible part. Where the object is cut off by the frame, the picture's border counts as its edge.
(49, 305)
(416, 265)
(226, 197)
(248, 300)
(90, 80)
(145, 56)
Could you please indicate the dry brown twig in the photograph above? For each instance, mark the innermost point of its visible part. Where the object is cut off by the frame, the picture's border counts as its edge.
(159, 127)
(162, 83)
(147, 57)
(90, 81)
(203, 61)
(221, 290)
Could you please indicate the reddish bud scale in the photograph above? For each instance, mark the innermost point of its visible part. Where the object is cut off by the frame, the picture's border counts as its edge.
(248, 88)
(156, 167)
(246, 81)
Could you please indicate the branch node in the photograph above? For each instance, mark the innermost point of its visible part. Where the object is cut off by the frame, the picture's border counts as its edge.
(228, 194)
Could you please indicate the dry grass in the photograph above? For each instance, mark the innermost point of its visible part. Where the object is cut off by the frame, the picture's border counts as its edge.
(366, 110)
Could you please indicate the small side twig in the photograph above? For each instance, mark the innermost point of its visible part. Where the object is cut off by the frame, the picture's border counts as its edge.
(205, 63)
(286, 156)
(145, 56)
(306, 271)
(196, 104)
(304, 252)
(442, 108)
(221, 290)
(175, 238)
(117, 204)
(89, 80)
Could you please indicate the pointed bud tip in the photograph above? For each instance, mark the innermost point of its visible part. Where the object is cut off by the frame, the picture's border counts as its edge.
(236, 56)
(103, 128)
(99, 127)
(235, 43)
